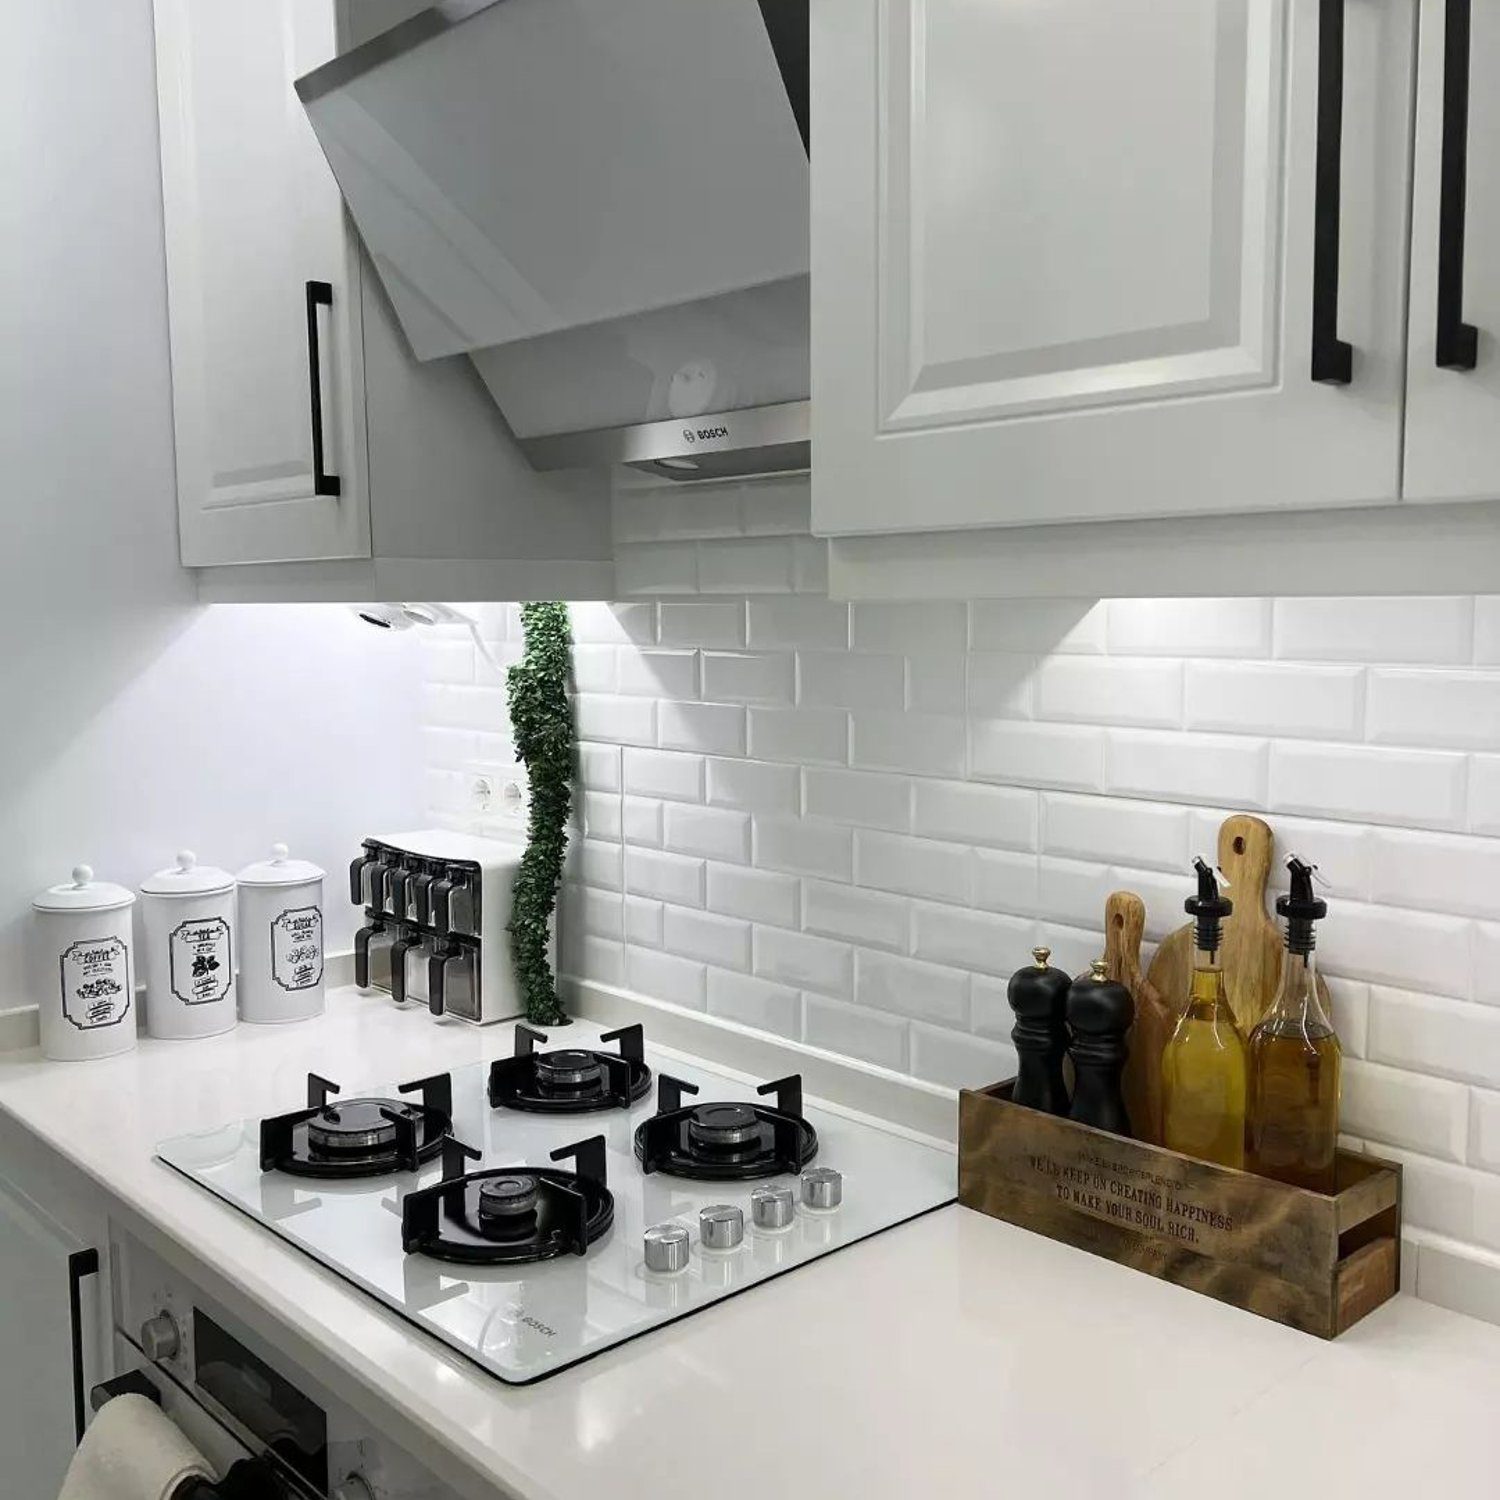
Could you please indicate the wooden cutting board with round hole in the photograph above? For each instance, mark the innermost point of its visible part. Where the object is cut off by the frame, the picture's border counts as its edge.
(1124, 923)
(1253, 946)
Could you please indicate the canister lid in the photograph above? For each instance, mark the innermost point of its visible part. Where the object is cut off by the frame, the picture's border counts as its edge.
(84, 893)
(188, 878)
(279, 870)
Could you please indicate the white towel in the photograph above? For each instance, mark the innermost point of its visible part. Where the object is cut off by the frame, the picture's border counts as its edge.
(131, 1451)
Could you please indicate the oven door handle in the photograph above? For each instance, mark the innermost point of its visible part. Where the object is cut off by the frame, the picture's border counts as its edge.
(81, 1263)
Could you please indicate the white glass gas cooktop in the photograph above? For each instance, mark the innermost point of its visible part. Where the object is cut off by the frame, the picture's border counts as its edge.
(523, 1322)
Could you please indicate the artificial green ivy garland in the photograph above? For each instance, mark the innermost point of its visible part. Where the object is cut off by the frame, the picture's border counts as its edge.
(541, 721)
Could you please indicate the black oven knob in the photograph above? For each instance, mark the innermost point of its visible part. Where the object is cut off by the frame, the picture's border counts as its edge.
(160, 1337)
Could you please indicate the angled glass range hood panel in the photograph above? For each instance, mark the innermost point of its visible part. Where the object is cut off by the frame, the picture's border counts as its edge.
(523, 167)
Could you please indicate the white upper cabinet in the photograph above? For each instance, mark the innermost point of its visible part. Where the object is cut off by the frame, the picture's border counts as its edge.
(1453, 380)
(1105, 259)
(263, 290)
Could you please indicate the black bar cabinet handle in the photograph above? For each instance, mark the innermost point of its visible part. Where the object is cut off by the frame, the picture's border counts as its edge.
(81, 1263)
(319, 294)
(1332, 358)
(1457, 341)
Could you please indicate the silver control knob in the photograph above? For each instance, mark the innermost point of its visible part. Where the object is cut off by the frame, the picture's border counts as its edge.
(822, 1187)
(666, 1247)
(354, 1488)
(771, 1207)
(722, 1226)
(160, 1337)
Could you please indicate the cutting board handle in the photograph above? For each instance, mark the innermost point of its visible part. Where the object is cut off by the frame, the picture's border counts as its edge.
(1246, 849)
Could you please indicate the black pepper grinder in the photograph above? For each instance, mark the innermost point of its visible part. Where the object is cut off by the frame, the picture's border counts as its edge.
(1099, 1013)
(1039, 997)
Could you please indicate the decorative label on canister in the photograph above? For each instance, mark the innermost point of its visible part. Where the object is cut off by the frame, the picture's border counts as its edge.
(96, 983)
(297, 948)
(200, 960)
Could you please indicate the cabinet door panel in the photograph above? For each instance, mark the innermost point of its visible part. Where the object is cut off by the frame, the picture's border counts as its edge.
(1062, 260)
(252, 216)
(1453, 412)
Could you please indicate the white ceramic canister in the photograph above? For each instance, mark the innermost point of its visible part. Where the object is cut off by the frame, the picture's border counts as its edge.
(281, 939)
(83, 973)
(188, 912)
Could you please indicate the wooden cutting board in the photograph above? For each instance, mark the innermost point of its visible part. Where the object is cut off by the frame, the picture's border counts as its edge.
(1124, 923)
(1253, 947)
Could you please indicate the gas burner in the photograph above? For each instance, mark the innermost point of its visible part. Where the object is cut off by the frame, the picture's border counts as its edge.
(726, 1141)
(509, 1215)
(358, 1137)
(570, 1080)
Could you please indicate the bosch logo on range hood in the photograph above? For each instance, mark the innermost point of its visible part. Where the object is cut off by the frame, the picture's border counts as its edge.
(603, 203)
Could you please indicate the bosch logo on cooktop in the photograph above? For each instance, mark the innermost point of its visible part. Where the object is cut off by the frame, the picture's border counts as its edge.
(703, 434)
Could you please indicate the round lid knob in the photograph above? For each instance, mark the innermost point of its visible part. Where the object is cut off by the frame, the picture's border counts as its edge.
(771, 1207)
(666, 1247)
(721, 1226)
(281, 869)
(83, 893)
(186, 877)
(82, 874)
(822, 1187)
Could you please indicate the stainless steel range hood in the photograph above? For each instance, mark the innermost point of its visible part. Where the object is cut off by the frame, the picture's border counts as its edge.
(603, 203)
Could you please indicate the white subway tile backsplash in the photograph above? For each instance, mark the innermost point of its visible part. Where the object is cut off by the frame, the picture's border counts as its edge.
(913, 867)
(804, 623)
(754, 566)
(801, 848)
(862, 798)
(1189, 627)
(1108, 690)
(1060, 755)
(718, 728)
(865, 917)
(1424, 789)
(724, 941)
(641, 820)
(754, 1002)
(1106, 828)
(628, 721)
(719, 626)
(1222, 769)
(989, 772)
(664, 773)
(816, 735)
(907, 987)
(667, 877)
(664, 976)
(715, 832)
(753, 786)
(924, 744)
(1415, 707)
(957, 1060)
(756, 895)
(749, 676)
(869, 1035)
(776, 506)
(916, 629)
(1391, 629)
(1037, 626)
(1269, 698)
(811, 963)
(1002, 816)
(848, 679)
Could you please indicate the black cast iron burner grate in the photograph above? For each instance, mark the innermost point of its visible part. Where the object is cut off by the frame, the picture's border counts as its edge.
(726, 1141)
(363, 1137)
(570, 1080)
(509, 1215)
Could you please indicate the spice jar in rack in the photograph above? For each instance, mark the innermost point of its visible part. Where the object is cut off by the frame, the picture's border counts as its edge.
(281, 939)
(83, 972)
(188, 914)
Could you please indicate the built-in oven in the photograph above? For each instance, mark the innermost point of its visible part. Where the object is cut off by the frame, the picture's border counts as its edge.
(265, 1427)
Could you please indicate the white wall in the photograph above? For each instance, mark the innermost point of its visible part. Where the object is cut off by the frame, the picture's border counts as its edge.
(849, 824)
(134, 720)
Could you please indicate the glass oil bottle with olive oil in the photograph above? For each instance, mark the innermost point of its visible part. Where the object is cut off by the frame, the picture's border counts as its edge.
(1203, 1064)
(1295, 1059)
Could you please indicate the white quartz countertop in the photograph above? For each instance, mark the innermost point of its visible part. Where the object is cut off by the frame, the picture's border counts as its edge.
(955, 1355)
